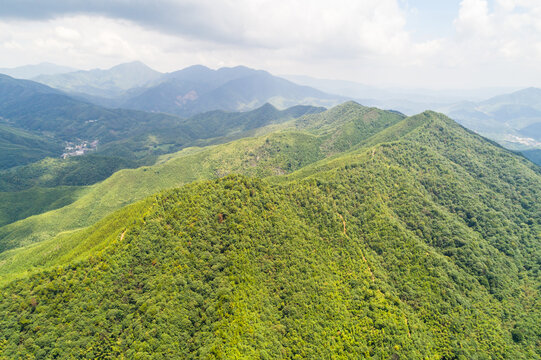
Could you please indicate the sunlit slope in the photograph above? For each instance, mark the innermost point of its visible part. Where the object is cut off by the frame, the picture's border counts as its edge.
(202, 130)
(357, 260)
(274, 154)
(423, 244)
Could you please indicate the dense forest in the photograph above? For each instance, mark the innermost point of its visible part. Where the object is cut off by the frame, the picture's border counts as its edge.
(353, 233)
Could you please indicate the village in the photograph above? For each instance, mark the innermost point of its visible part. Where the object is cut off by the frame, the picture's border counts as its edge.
(73, 149)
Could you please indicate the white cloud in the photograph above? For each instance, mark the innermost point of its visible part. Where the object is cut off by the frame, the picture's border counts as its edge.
(304, 30)
(474, 20)
(507, 32)
(67, 33)
(366, 41)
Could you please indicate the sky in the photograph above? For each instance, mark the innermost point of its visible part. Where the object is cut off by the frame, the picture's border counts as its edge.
(393, 43)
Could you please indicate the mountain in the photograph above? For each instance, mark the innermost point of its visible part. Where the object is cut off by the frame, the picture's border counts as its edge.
(533, 130)
(198, 89)
(186, 92)
(408, 101)
(387, 238)
(36, 107)
(133, 135)
(513, 120)
(19, 147)
(102, 83)
(51, 114)
(31, 71)
(534, 155)
(40, 179)
(292, 145)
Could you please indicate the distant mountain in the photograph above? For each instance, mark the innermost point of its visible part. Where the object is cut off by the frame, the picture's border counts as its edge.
(406, 100)
(130, 134)
(533, 131)
(513, 120)
(39, 108)
(534, 155)
(186, 92)
(198, 89)
(102, 83)
(31, 71)
(54, 116)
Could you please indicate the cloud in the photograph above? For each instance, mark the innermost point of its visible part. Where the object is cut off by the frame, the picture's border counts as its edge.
(367, 40)
(511, 31)
(371, 25)
(303, 30)
(474, 20)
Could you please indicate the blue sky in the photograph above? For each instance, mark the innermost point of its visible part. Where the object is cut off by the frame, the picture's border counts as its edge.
(429, 19)
(400, 43)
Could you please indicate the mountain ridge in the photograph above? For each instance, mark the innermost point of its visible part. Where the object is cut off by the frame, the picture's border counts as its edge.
(189, 91)
(420, 244)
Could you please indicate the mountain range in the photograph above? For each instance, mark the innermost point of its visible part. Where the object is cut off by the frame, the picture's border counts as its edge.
(27, 109)
(512, 119)
(102, 83)
(185, 92)
(352, 231)
(31, 71)
(509, 117)
(193, 230)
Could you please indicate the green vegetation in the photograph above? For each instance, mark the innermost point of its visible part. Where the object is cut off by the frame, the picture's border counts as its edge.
(534, 155)
(36, 120)
(273, 154)
(53, 172)
(19, 147)
(372, 236)
(127, 139)
(51, 183)
(22, 204)
(239, 268)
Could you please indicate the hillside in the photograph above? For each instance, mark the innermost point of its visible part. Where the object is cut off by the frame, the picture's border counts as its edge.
(420, 241)
(51, 183)
(35, 107)
(19, 147)
(56, 118)
(273, 154)
(73, 173)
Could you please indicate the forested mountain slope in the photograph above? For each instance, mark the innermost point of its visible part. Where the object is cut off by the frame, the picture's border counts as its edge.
(422, 240)
(20, 147)
(55, 118)
(277, 153)
(124, 139)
